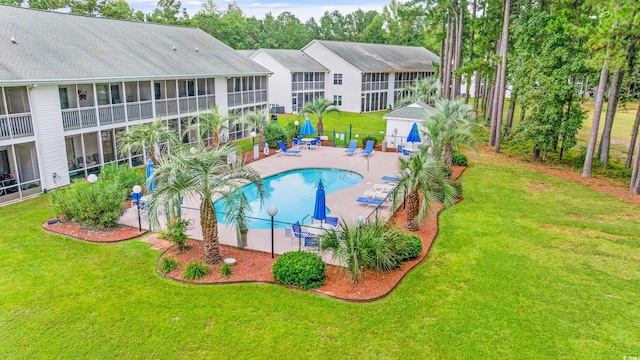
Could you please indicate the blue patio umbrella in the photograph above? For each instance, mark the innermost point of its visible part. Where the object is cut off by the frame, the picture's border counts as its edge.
(320, 210)
(414, 135)
(307, 128)
(150, 185)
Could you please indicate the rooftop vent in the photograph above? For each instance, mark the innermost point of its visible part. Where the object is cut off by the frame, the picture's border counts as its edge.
(174, 49)
(13, 40)
(197, 50)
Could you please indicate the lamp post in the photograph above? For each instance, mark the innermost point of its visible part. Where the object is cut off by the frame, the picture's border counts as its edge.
(136, 196)
(256, 155)
(272, 210)
(296, 123)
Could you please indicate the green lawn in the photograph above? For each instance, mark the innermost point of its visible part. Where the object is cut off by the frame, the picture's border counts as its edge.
(526, 267)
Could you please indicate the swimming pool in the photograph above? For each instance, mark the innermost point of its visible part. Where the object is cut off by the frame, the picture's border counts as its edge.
(294, 193)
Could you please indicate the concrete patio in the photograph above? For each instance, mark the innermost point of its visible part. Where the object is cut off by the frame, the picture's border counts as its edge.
(342, 202)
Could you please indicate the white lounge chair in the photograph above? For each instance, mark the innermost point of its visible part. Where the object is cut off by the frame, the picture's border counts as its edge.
(285, 151)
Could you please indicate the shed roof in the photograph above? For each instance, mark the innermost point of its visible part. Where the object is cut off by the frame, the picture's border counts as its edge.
(51, 46)
(382, 58)
(415, 112)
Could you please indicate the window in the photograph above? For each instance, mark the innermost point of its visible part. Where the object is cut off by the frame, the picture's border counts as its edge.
(337, 100)
(337, 79)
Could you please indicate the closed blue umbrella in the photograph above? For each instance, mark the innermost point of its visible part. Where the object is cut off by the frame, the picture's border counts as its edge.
(320, 210)
(414, 134)
(151, 184)
(307, 128)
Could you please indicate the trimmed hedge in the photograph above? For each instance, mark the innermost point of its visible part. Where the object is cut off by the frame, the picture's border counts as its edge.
(414, 247)
(459, 159)
(299, 268)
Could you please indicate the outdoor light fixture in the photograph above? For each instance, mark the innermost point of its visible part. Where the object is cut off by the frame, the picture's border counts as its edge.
(136, 196)
(272, 210)
(296, 123)
(193, 150)
(92, 178)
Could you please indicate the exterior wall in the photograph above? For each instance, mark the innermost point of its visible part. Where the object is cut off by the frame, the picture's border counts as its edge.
(351, 77)
(279, 83)
(403, 126)
(47, 122)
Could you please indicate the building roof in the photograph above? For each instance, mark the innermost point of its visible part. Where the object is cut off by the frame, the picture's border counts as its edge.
(51, 46)
(415, 112)
(380, 57)
(295, 60)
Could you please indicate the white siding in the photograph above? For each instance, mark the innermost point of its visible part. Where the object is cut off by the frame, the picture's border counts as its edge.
(47, 123)
(351, 87)
(279, 83)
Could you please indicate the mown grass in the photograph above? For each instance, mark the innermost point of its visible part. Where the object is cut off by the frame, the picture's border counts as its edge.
(527, 266)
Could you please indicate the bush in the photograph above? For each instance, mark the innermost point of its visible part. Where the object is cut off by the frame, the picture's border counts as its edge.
(447, 171)
(274, 133)
(413, 247)
(372, 245)
(299, 268)
(460, 159)
(93, 205)
(168, 264)
(124, 175)
(367, 138)
(175, 232)
(225, 269)
(195, 270)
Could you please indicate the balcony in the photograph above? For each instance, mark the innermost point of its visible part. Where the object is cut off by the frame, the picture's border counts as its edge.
(15, 126)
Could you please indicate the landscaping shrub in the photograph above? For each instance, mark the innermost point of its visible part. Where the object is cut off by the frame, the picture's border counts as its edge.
(97, 205)
(371, 245)
(367, 138)
(274, 133)
(175, 232)
(225, 269)
(195, 270)
(459, 159)
(447, 171)
(299, 268)
(413, 247)
(124, 175)
(168, 264)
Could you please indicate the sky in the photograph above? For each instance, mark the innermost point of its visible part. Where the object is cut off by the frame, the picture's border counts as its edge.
(302, 9)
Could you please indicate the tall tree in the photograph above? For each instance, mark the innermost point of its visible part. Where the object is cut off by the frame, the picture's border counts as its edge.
(502, 75)
(209, 127)
(146, 138)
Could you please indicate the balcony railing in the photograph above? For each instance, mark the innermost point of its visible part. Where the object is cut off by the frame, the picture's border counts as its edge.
(118, 113)
(15, 126)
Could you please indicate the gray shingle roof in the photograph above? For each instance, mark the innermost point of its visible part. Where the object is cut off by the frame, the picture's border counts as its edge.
(416, 111)
(52, 46)
(382, 58)
(295, 60)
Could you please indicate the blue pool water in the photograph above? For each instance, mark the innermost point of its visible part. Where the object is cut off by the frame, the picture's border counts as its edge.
(294, 193)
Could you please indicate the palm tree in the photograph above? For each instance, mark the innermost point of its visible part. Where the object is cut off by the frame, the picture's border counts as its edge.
(422, 176)
(256, 120)
(202, 174)
(146, 138)
(450, 126)
(210, 123)
(372, 245)
(426, 90)
(318, 107)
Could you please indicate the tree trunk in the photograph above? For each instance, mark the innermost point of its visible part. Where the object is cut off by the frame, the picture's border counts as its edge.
(585, 88)
(634, 187)
(487, 104)
(458, 48)
(595, 122)
(503, 72)
(612, 105)
(446, 86)
(209, 225)
(512, 109)
(447, 155)
(320, 126)
(476, 92)
(634, 137)
(413, 206)
(442, 52)
(471, 36)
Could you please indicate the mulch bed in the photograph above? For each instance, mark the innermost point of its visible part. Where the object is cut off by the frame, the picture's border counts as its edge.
(77, 231)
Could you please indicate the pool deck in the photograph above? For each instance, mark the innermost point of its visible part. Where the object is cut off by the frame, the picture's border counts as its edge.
(342, 202)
